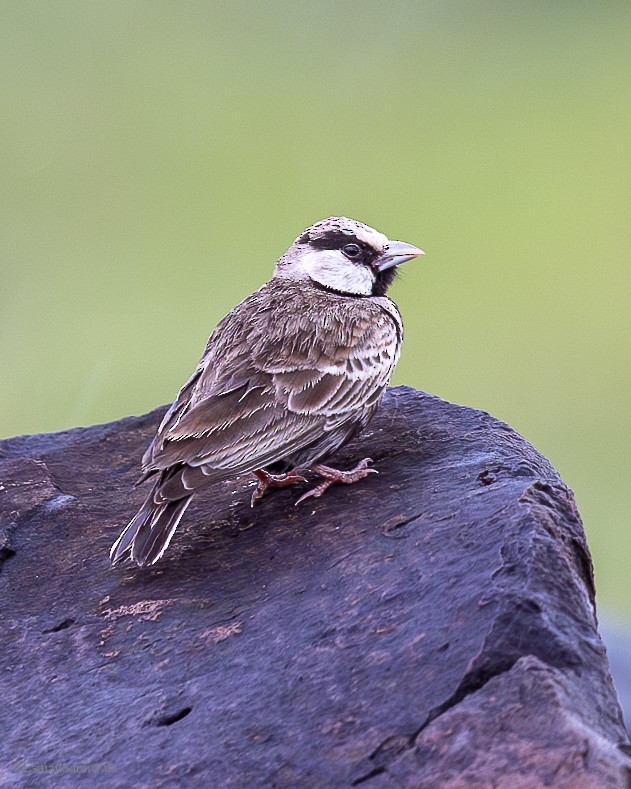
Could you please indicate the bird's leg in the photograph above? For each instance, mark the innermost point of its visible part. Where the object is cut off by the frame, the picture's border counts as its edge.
(333, 476)
(266, 481)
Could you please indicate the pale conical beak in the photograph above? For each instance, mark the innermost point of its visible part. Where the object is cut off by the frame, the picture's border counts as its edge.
(397, 252)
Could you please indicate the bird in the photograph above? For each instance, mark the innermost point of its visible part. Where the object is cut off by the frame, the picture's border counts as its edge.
(287, 378)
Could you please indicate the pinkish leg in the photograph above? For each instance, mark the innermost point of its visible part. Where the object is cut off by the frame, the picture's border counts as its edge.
(333, 476)
(267, 481)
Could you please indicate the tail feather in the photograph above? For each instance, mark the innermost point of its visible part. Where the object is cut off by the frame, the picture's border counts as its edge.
(149, 532)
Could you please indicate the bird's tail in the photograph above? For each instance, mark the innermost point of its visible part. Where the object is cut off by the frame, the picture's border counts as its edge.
(149, 533)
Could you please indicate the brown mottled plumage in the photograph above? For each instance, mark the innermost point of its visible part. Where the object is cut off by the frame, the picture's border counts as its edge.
(288, 376)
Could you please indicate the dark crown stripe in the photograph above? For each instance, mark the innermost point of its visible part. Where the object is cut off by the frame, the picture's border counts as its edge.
(336, 239)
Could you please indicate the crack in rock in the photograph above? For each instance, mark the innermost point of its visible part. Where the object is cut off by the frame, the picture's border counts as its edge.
(391, 748)
(517, 631)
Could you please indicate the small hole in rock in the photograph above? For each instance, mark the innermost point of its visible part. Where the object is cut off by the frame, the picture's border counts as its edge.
(66, 623)
(168, 720)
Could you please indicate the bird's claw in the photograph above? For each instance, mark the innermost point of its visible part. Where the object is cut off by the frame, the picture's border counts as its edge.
(267, 481)
(333, 476)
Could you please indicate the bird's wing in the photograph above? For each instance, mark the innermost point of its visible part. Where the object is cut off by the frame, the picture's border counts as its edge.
(172, 416)
(275, 377)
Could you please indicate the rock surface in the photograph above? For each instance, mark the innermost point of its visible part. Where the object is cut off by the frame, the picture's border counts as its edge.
(432, 626)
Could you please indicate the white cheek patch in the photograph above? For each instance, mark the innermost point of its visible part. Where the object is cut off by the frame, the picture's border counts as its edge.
(334, 270)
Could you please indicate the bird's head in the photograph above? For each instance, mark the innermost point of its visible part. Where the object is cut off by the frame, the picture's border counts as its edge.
(345, 256)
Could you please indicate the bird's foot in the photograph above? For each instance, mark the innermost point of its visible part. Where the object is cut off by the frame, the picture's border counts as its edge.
(333, 476)
(267, 481)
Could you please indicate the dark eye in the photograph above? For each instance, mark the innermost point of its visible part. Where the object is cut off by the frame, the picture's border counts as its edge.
(351, 250)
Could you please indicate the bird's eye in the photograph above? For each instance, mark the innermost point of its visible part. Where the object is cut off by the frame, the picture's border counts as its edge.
(351, 250)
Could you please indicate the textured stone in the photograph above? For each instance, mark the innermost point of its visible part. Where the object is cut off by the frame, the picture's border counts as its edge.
(432, 626)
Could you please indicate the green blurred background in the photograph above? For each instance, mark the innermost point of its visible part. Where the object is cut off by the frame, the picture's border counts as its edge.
(159, 156)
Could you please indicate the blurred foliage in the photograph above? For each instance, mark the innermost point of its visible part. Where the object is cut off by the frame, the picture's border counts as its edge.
(158, 157)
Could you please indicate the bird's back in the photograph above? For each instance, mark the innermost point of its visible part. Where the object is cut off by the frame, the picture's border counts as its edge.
(290, 364)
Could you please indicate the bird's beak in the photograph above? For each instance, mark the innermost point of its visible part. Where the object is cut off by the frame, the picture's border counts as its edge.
(397, 252)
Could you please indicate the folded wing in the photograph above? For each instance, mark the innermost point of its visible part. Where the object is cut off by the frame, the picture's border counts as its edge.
(265, 390)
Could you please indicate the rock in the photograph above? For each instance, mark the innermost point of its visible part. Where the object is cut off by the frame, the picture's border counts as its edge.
(615, 631)
(432, 626)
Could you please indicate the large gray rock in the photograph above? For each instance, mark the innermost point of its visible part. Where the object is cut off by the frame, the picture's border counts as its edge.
(432, 626)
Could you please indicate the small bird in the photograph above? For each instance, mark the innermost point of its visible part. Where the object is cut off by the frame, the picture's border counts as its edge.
(288, 377)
